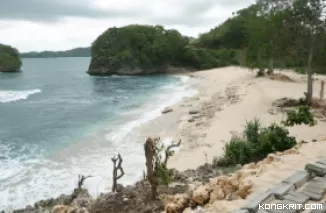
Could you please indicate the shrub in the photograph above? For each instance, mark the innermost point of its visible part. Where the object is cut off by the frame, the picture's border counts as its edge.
(272, 139)
(252, 129)
(163, 175)
(256, 144)
(302, 116)
(237, 151)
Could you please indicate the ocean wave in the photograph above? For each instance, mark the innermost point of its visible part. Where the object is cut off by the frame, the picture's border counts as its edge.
(183, 78)
(7, 96)
(152, 110)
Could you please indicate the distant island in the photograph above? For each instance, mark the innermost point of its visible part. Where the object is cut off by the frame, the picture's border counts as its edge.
(76, 52)
(9, 59)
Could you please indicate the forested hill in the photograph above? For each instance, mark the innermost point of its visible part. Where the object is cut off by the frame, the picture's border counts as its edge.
(77, 52)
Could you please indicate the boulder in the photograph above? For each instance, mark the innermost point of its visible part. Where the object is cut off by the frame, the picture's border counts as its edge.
(244, 190)
(227, 189)
(217, 194)
(201, 195)
(176, 203)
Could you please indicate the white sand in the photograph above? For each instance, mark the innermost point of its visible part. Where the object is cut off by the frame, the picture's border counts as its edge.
(204, 139)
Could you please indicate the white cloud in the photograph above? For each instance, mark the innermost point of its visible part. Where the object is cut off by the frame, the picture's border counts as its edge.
(36, 25)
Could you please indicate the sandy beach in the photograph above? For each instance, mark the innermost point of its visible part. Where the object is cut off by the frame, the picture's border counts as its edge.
(226, 99)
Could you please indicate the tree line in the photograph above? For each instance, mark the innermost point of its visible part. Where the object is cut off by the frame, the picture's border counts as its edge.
(275, 33)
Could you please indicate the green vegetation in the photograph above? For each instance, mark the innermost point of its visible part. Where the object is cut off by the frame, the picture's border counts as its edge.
(302, 116)
(9, 59)
(142, 49)
(77, 52)
(255, 144)
(273, 33)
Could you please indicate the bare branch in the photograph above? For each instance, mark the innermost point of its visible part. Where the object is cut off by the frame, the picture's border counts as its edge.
(167, 151)
(81, 179)
(117, 168)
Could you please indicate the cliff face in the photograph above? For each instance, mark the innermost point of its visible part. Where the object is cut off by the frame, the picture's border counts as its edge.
(9, 59)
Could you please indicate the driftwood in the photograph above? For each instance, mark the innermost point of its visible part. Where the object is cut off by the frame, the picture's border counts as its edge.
(81, 179)
(116, 168)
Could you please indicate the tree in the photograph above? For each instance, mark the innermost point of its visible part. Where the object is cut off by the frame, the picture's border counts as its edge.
(272, 14)
(309, 27)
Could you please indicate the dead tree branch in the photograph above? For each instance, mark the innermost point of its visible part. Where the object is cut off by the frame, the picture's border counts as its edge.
(149, 154)
(116, 168)
(168, 151)
(81, 179)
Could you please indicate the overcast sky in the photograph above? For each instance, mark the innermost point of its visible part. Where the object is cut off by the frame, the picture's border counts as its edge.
(35, 25)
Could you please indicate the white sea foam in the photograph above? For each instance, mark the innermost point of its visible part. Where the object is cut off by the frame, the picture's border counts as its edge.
(170, 95)
(10, 95)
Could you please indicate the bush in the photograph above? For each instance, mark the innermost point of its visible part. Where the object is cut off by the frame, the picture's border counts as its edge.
(252, 129)
(237, 150)
(256, 144)
(302, 116)
(272, 139)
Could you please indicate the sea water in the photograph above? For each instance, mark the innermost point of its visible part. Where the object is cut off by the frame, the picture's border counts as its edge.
(57, 122)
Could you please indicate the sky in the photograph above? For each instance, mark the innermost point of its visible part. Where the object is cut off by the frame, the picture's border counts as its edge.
(37, 25)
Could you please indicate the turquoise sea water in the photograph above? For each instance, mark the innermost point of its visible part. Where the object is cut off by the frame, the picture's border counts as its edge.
(57, 122)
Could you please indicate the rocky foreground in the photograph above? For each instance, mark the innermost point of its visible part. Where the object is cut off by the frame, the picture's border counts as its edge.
(189, 192)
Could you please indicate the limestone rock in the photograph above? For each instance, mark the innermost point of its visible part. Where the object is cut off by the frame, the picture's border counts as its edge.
(201, 194)
(222, 180)
(244, 190)
(234, 181)
(227, 189)
(176, 203)
(217, 194)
